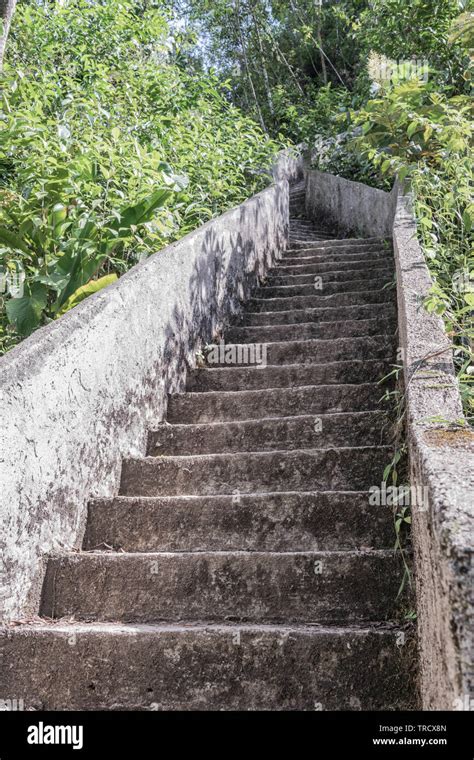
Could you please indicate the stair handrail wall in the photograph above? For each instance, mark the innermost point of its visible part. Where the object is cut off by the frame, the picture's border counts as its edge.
(440, 443)
(80, 394)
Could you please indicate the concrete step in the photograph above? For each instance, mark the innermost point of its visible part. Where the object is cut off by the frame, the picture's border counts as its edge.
(304, 224)
(259, 587)
(353, 469)
(383, 311)
(299, 226)
(317, 267)
(335, 257)
(344, 243)
(351, 298)
(207, 667)
(301, 331)
(302, 352)
(306, 241)
(302, 235)
(381, 270)
(325, 287)
(307, 224)
(272, 376)
(296, 521)
(272, 434)
(226, 406)
(310, 235)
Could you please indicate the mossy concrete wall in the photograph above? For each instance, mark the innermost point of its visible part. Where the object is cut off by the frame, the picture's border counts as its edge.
(351, 208)
(440, 443)
(441, 447)
(80, 394)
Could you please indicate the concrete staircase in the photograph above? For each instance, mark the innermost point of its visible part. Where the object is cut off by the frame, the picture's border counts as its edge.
(241, 566)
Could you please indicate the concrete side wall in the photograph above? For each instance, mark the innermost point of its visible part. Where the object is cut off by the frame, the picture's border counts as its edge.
(441, 450)
(351, 208)
(289, 165)
(442, 468)
(80, 394)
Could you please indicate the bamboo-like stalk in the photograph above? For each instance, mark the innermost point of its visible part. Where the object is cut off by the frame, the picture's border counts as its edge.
(7, 9)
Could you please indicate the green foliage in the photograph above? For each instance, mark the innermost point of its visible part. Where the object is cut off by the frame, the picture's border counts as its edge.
(420, 31)
(109, 149)
(338, 155)
(280, 57)
(415, 133)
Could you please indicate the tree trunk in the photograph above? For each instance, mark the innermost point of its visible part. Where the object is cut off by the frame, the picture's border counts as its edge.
(323, 62)
(266, 79)
(7, 8)
(247, 67)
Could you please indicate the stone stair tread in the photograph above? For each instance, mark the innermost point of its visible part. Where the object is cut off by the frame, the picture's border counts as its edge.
(325, 373)
(257, 404)
(347, 298)
(358, 241)
(332, 275)
(66, 626)
(306, 586)
(326, 314)
(276, 521)
(338, 468)
(270, 433)
(308, 351)
(336, 329)
(328, 288)
(199, 665)
(334, 260)
(292, 271)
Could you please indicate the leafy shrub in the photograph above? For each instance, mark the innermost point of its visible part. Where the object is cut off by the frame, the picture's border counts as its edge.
(337, 155)
(109, 149)
(422, 135)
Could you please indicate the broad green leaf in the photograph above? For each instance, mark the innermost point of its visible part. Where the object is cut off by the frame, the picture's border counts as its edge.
(143, 211)
(86, 290)
(467, 220)
(12, 240)
(25, 313)
(469, 299)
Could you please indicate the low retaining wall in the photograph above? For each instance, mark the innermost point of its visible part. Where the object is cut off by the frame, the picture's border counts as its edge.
(290, 165)
(351, 208)
(442, 468)
(81, 393)
(441, 446)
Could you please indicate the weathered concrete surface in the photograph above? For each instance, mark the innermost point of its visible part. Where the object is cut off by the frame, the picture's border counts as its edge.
(255, 529)
(441, 452)
(272, 434)
(269, 402)
(328, 287)
(251, 472)
(350, 207)
(351, 298)
(348, 313)
(289, 165)
(317, 267)
(80, 394)
(442, 462)
(203, 667)
(233, 378)
(303, 330)
(282, 587)
(274, 522)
